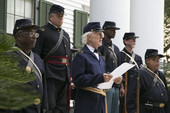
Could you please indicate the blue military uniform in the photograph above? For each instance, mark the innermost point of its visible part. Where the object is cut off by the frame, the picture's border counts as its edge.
(125, 58)
(157, 95)
(111, 54)
(151, 88)
(57, 64)
(41, 103)
(132, 58)
(87, 71)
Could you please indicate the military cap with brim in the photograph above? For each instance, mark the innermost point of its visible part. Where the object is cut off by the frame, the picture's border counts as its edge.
(57, 9)
(110, 25)
(21, 24)
(93, 26)
(129, 35)
(152, 52)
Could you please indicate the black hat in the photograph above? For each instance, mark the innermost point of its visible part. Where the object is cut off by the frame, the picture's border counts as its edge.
(57, 9)
(129, 35)
(93, 26)
(22, 24)
(109, 24)
(152, 52)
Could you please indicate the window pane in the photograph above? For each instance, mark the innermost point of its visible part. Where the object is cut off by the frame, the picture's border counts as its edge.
(18, 17)
(19, 7)
(29, 8)
(10, 23)
(10, 6)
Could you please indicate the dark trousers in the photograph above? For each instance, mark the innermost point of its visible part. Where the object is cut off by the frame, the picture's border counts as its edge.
(57, 96)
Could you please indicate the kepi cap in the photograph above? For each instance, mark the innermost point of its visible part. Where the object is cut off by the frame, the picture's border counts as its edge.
(57, 9)
(110, 24)
(23, 24)
(152, 52)
(129, 35)
(93, 26)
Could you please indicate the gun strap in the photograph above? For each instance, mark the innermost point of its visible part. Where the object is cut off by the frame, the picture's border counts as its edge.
(132, 59)
(31, 63)
(154, 75)
(155, 79)
(114, 55)
(57, 45)
(153, 82)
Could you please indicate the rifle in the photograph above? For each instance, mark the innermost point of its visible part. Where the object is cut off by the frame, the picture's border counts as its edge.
(126, 76)
(137, 94)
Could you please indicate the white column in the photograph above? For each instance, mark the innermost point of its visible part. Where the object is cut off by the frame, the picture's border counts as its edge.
(147, 18)
(144, 17)
(112, 10)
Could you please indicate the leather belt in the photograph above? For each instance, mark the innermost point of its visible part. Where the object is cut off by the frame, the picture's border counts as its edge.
(95, 90)
(151, 104)
(58, 60)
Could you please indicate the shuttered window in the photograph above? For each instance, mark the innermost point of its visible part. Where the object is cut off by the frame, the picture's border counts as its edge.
(3, 10)
(80, 20)
(18, 9)
(44, 12)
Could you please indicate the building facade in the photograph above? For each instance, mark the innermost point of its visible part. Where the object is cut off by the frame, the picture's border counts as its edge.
(77, 15)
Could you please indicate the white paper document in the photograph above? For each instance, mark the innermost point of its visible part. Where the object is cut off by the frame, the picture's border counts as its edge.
(119, 71)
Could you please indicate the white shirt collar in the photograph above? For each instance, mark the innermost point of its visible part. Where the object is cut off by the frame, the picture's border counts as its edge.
(90, 48)
(53, 24)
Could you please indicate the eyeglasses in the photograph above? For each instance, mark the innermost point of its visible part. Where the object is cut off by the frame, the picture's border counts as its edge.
(31, 34)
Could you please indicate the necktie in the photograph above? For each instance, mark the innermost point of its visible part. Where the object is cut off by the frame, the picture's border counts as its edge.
(96, 50)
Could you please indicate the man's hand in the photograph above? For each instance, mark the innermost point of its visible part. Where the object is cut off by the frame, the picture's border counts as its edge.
(121, 91)
(118, 80)
(107, 77)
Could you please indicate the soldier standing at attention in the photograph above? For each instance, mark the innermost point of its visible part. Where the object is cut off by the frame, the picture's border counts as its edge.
(128, 55)
(53, 46)
(153, 89)
(111, 54)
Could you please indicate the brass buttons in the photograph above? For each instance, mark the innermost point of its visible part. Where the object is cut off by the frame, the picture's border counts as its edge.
(37, 101)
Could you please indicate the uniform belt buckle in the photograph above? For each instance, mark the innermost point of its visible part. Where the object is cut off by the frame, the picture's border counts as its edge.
(161, 105)
(63, 60)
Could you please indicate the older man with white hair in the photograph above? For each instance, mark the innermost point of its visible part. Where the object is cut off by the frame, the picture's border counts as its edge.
(88, 70)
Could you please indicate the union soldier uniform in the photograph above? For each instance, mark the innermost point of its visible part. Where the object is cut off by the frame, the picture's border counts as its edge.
(153, 92)
(132, 58)
(33, 65)
(39, 84)
(111, 55)
(87, 73)
(126, 58)
(53, 46)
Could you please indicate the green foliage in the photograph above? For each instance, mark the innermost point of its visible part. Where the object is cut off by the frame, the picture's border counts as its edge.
(15, 93)
(167, 26)
(6, 42)
(166, 70)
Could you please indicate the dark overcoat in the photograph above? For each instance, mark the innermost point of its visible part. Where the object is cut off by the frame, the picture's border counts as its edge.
(125, 58)
(110, 62)
(39, 86)
(87, 71)
(157, 94)
(48, 37)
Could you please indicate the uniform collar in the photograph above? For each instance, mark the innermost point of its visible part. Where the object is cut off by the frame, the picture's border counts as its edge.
(53, 26)
(124, 49)
(90, 48)
(105, 42)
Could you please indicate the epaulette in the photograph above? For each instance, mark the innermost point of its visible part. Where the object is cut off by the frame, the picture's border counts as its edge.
(80, 51)
(76, 50)
(42, 29)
